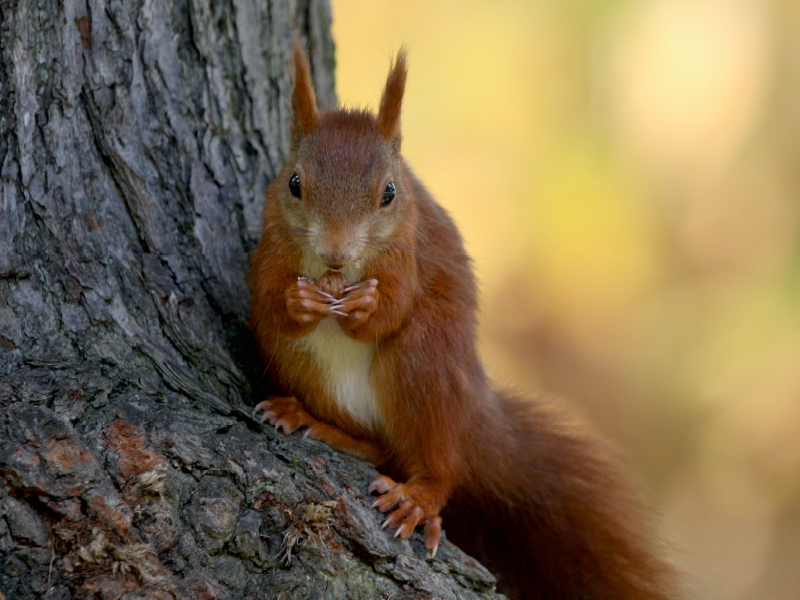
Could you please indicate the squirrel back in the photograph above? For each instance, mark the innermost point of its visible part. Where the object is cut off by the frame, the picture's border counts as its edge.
(365, 311)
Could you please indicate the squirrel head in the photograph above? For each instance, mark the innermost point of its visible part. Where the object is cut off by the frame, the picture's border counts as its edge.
(341, 193)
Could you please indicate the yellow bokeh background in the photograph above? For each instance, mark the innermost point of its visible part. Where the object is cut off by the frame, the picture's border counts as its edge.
(626, 175)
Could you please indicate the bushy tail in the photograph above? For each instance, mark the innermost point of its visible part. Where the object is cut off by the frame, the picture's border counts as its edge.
(550, 513)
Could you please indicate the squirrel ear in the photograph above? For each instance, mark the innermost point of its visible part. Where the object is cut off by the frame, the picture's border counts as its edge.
(392, 99)
(305, 117)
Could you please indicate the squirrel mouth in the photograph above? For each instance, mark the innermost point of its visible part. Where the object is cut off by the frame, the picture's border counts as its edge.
(356, 264)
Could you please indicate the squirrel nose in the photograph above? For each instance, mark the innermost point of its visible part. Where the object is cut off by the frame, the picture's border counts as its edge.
(335, 260)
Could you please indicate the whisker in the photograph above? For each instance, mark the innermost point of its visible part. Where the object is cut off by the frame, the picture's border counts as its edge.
(297, 236)
(448, 266)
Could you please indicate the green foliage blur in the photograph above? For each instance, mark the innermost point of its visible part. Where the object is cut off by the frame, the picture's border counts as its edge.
(626, 175)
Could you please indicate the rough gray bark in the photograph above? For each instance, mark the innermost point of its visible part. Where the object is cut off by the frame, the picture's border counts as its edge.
(136, 141)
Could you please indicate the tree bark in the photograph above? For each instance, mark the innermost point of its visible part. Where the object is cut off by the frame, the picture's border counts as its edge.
(136, 141)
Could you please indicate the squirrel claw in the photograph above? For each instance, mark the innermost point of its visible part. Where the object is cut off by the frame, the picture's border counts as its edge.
(433, 533)
(381, 485)
(261, 406)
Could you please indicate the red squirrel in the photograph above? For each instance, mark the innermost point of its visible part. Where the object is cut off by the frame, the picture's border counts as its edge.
(364, 308)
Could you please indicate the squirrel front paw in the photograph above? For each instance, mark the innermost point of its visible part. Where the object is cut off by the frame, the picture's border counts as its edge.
(358, 302)
(307, 304)
(409, 511)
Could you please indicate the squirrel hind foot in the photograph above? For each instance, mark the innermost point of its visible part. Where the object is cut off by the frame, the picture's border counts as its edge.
(407, 512)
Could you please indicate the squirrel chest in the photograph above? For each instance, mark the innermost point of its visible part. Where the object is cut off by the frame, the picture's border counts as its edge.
(345, 365)
(344, 362)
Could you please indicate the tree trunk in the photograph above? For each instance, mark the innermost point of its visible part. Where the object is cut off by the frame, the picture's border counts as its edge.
(136, 141)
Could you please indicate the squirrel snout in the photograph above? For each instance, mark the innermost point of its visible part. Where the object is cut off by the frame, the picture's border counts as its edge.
(335, 259)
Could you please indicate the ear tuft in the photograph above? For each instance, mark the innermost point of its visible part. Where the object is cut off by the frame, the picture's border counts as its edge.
(305, 117)
(392, 99)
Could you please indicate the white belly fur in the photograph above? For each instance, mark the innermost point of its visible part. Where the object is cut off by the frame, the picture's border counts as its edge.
(346, 363)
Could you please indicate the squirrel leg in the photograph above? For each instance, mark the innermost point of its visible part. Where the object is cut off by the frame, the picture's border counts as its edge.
(415, 503)
(288, 414)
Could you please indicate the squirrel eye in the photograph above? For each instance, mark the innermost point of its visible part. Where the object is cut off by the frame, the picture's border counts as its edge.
(388, 194)
(294, 185)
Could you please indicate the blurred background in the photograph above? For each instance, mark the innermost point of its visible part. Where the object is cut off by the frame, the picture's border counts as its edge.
(626, 174)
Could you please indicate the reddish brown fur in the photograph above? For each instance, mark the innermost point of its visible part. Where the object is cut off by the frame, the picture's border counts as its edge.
(538, 501)
(392, 99)
(304, 102)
